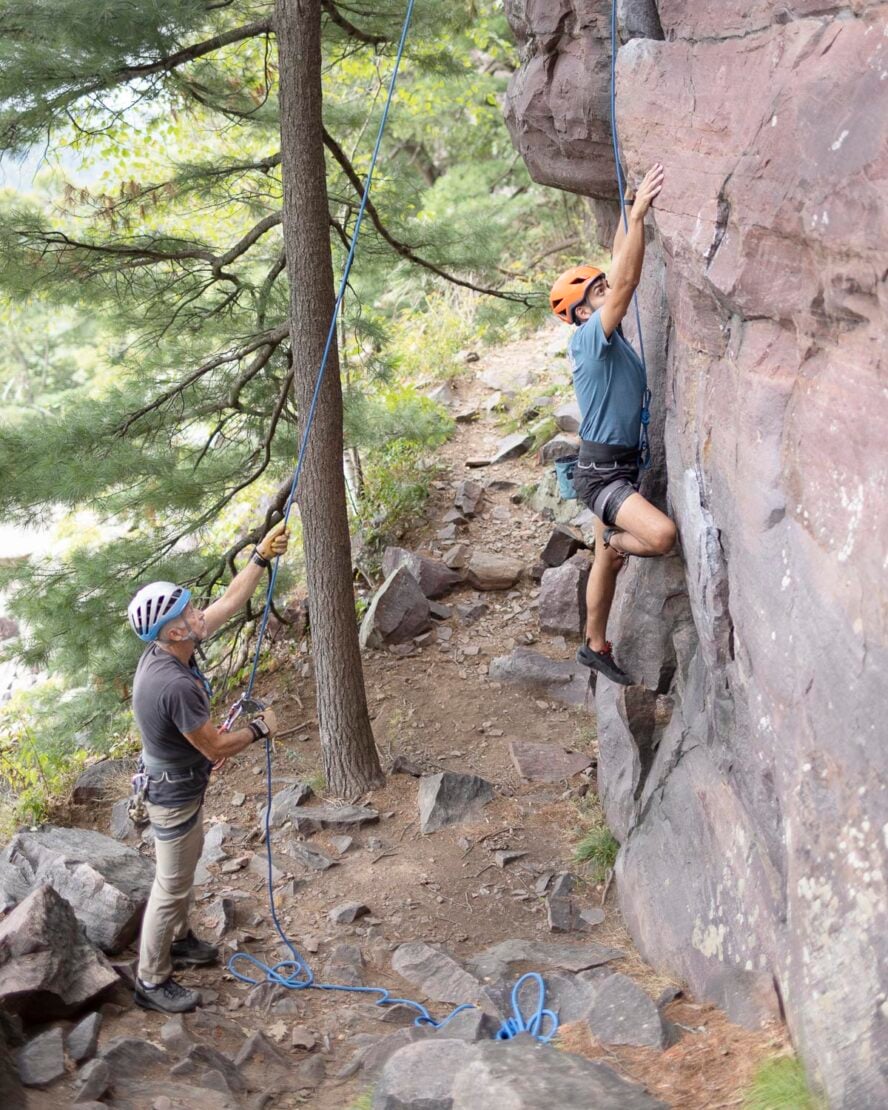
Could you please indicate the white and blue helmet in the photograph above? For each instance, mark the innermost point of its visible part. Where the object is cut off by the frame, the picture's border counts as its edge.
(154, 606)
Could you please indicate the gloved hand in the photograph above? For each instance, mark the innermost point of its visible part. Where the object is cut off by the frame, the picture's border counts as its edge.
(269, 717)
(274, 542)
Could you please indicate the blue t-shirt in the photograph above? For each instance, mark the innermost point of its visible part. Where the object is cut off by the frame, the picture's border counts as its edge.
(609, 381)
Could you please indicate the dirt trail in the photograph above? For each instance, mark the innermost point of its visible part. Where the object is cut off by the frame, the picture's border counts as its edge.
(438, 708)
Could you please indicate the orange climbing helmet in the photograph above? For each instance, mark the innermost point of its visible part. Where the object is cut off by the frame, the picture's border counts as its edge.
(570, 289)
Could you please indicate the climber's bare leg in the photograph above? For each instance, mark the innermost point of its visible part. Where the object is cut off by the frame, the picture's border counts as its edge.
(642, 529)
(600, 589)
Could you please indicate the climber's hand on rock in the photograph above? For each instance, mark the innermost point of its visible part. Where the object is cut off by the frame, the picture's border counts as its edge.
(647, 190)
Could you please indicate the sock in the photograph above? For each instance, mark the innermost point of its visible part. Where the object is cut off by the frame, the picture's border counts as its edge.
(148, 986)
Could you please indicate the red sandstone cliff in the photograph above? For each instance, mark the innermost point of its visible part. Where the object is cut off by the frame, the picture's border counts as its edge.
(754, 825)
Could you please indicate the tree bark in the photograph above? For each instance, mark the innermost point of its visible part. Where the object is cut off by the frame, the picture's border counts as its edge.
(351, 762)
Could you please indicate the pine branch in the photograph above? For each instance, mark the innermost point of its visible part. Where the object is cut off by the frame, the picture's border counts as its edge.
(402, 248)
(271, 338)
(354, 32)
(172, 61)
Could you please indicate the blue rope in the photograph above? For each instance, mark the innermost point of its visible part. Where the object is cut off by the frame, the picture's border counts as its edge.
(644, 447)
(294, 973)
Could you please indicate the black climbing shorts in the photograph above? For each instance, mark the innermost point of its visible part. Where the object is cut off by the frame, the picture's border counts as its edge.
(604, 477)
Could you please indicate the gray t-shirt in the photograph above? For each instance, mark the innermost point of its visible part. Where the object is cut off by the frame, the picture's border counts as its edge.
(609, 381)
(169, 699)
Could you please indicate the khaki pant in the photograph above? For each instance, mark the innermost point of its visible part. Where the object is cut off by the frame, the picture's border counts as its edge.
(166, 915)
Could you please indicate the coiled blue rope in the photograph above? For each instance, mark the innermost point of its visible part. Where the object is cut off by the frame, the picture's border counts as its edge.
(644, 447)
(294, 973)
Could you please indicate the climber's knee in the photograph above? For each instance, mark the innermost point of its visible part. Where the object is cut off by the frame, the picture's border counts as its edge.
(663, 535)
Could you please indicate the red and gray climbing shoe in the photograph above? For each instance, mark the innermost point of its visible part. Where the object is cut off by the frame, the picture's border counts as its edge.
(604, 663)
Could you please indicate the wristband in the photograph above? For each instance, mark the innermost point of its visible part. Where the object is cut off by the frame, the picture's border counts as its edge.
(259, 729)
(259, 559)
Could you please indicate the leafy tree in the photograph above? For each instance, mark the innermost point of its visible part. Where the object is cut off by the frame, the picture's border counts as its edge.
(212, 284)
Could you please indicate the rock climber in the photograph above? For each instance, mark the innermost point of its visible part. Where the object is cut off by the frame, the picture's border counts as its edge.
(180, 747)
(609, 381)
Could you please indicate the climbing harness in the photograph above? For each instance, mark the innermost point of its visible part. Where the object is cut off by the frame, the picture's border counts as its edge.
(294, 973)
(644, 447)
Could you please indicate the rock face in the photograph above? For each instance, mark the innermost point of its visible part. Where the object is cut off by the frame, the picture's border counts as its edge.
(106, 883)
(751, 806)
(48, 968)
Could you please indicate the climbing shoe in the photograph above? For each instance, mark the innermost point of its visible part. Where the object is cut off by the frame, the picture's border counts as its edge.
(604, 663)
(191, 952)
(169, 997)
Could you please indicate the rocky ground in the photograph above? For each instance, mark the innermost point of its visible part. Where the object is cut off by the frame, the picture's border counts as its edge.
(443, 886)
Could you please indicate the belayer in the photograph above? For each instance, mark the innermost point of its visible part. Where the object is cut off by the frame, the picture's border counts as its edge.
(610, 383)
(180, 747)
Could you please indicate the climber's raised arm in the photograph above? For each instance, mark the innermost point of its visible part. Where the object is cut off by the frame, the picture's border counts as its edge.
(628, 256)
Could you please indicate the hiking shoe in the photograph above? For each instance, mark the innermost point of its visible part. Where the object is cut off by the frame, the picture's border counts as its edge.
(191, 952)
(169, 997)
(604, 663)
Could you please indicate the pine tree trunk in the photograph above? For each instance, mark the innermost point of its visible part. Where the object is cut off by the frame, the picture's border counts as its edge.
(351, 762)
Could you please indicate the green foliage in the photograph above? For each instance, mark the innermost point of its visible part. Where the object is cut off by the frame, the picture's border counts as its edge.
(598, 849)
(38, 765)
(780, 1084)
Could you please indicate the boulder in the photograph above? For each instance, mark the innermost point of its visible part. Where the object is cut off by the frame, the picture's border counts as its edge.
(310, 857)
(522, 1075)
(508, 379)
(548, 502)
(449, 798)
(565, 681)
(434, 577)
(496, 963)
(346, 964)
(562, 446)
(92, 1083)
(567, 417)
(488, 571)
(767, 648)
(398, 612)
(48, 968)
(457, 557)
(103, 781)
(546, 762)
(284, 803)
(42, 1060)
(347, 912)
(563, 598)
(564, 542)
(469, 497)
(511, 447)
(345, 819)
(120, 825)
(443, 1073)
(82, 1039)
(623, 1014)
(434, 973)
(106, 883)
